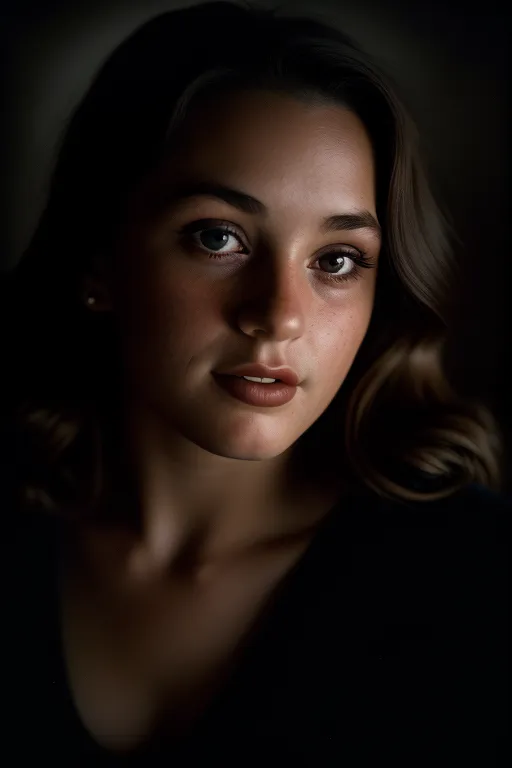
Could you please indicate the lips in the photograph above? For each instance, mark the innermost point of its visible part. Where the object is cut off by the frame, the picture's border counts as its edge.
(284, 374)
(255, 394)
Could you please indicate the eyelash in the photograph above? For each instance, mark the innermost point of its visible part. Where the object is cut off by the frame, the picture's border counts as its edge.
(360, 258)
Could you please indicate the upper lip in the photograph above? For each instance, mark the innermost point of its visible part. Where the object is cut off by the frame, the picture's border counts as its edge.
(285, 374)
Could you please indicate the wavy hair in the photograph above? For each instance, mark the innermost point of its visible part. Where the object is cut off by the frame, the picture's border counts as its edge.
(400, 417)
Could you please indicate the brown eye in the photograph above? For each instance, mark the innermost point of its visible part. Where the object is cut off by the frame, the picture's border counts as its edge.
(338, 263)
(343, 265)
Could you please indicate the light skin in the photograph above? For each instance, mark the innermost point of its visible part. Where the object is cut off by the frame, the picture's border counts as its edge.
(152, 614)
(203, 459)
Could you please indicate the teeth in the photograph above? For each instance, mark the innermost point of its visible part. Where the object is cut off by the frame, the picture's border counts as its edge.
(262, 381)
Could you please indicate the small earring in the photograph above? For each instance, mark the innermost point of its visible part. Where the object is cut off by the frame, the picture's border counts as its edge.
(91, 300)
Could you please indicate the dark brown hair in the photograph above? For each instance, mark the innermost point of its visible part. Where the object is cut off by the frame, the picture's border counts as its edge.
(398, 414)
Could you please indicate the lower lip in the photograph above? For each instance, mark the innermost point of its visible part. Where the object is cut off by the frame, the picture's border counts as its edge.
(253, 393)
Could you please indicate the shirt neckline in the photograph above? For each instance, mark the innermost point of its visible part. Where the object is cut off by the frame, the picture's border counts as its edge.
(277, 601)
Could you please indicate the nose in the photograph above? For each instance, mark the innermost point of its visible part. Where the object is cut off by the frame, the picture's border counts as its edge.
(274, 303)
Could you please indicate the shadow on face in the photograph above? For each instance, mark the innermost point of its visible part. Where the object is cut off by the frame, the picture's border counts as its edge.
(256, 241)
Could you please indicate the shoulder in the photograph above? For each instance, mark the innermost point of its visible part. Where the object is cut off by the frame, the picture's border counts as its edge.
(442, 557)
(470, 519)
(477, 498)
(472, 512)
(415, 596)
(411, 580)
(470, 507)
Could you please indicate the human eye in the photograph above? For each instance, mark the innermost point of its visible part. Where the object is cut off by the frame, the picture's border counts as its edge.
(348, 264)
(216, 239)
(211, 236)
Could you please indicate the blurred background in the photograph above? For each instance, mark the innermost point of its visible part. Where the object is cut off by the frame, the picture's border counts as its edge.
(450, 63)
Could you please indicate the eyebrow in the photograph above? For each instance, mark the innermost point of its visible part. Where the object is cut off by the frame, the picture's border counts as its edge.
(361, 219)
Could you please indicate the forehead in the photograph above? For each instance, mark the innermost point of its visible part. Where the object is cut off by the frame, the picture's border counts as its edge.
(283, 148)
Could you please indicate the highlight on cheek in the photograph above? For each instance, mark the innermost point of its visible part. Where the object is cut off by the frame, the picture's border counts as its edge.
(347, 263)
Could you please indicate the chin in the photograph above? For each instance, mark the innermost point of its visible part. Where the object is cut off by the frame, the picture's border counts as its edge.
(243, 446)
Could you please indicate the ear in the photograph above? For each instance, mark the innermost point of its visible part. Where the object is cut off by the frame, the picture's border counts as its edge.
(96, 295)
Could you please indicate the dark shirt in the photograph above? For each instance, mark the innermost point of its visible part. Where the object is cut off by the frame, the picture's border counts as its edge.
(385, 645)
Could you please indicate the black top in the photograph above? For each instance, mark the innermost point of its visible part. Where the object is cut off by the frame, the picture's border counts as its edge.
(385, 645)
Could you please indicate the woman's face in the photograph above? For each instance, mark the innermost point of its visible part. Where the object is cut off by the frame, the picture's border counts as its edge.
(190, 298)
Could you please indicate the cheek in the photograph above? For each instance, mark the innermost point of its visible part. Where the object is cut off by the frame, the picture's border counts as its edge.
(340, 333)
(160, 309)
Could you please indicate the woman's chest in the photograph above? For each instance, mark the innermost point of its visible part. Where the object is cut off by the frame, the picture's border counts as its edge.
(152, 656)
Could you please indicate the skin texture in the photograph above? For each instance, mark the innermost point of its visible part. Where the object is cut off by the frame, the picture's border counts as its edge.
(152, 616)
(196, 450)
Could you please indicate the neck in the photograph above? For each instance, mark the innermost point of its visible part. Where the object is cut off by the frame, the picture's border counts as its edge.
(171, 495)
(167, 496)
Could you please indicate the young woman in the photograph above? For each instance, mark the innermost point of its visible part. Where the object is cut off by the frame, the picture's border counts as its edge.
(249, 518)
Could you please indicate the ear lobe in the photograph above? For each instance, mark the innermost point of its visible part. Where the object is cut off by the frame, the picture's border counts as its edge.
(95, 296)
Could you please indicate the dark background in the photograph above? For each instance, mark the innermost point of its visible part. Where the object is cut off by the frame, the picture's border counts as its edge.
(450, 63)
